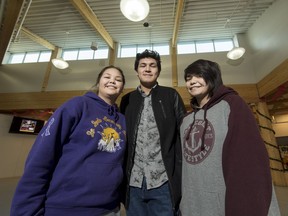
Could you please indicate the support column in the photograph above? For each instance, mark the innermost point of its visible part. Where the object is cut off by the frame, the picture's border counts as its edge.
(266, 129)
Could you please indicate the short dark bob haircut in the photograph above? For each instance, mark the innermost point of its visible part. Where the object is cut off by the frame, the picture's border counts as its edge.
(208, 70)
(148, 54)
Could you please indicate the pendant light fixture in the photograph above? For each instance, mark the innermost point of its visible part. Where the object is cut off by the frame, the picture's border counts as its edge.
(236, 52)
(134, 10)
(59, 62)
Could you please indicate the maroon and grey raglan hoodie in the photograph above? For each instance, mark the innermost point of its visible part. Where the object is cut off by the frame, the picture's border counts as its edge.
(225, 167)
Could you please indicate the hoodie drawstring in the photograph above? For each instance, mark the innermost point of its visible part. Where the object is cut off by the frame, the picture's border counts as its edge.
(113, 111)
(204, 130)
(190, 128)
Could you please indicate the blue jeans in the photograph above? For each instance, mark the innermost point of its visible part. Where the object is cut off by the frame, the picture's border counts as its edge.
(152, 202)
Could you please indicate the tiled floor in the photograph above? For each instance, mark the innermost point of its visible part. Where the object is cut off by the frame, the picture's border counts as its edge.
(282, 196)
(7, 187)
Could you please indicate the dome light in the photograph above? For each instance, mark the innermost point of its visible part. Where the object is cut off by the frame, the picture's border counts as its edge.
(135, 10)
(236, 53)
(60, 63)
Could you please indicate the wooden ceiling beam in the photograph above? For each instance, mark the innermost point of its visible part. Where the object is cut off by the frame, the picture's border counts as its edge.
(35, 100)
(38, 39)
(278, 111)
(179, 12)
(85, 10)
(11, 14)
(53, 99)
(278, 102)
(173, 42)
(273, 80)
(173, 53)
(55, 54)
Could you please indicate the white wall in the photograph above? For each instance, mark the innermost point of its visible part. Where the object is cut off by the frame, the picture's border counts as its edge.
(268, 39)
(14, 149)
(233, 72)
(81, 75)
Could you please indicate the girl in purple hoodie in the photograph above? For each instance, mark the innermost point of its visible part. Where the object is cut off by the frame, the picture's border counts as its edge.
(75, 165)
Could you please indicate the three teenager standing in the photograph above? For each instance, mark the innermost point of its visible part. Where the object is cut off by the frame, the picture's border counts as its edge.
(75, 164)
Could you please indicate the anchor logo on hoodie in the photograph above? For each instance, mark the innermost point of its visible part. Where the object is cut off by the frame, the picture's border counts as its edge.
(198, 143)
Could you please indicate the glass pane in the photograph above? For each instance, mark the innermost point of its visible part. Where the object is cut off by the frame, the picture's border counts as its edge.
(128, 51)
(45, 56)
(17, 58)
(162, 49)
(86, 54)
(223, 45)
(70, 55)
(185, 48)
(31, 57)
(204, 46)
(143, 47)
(101, 54)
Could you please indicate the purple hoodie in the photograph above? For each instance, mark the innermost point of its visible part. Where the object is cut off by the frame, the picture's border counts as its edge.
(75, 164)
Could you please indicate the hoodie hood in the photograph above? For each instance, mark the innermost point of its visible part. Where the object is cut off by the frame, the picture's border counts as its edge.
(221, 92)
(219, 95)
(112, 110)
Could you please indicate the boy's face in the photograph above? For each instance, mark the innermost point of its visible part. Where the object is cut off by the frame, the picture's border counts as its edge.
(148, 71)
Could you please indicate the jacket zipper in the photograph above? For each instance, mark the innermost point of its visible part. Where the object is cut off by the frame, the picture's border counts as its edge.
(162, 107)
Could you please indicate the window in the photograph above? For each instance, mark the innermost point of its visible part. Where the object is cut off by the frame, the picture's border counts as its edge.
(162, 49)
(31, 57)
(101, 53)
(85, 54)
(223, 45)
(204, 46)
(127, 51)
(186, 47)
(70, 54)
(141, 48)
(16, 58)
(45, 56)
(132, 50)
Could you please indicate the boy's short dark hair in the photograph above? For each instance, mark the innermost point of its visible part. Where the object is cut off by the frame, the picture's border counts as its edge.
(148, 54)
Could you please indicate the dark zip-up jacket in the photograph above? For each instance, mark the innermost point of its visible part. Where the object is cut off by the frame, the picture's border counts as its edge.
(168, 109)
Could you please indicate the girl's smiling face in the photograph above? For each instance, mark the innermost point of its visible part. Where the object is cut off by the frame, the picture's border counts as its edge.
(198, 88)
(110, 84)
